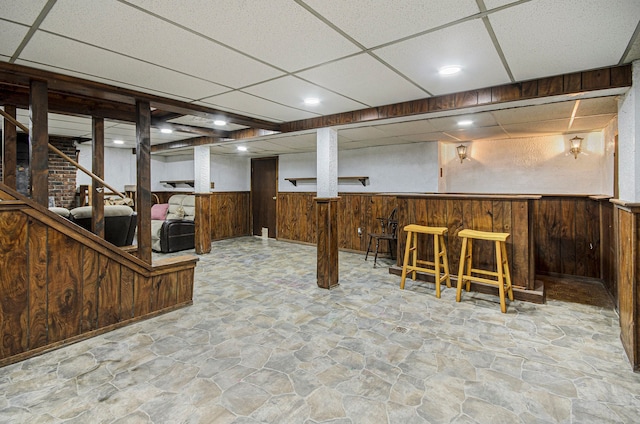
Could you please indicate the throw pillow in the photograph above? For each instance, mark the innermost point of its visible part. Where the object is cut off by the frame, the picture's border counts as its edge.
(159, 211)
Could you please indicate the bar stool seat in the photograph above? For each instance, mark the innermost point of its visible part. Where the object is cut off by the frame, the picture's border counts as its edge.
(439, 267)
(502, 276)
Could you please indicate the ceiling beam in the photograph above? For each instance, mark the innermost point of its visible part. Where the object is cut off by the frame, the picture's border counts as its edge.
(579, 82)
(179, 144)
(21, 76)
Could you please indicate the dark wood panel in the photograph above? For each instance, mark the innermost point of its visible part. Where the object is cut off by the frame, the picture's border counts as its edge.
(143, 179)
(567, 240)
(64, 276)
(13, 284)
(264, 189)
(185, 286)
(90, 278)
(230, 214)
(9, 156)
(203, 223)
(38, 277)
(626, 282)
(97, 167)
(165, 290)
(327, 233)
(599, 78)
(522, 267)
(38, 142)
(108, 292)
(143, 296)
(127, 284)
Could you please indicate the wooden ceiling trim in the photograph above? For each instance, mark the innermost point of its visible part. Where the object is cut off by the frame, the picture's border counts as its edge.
(19, 75)
(179, 144)
(598, 79)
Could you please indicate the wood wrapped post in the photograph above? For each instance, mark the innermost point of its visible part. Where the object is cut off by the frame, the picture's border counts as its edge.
(39, 141)
(143, 181)
(10, 156)
(203, 223)
(97, 199)
(327, 231)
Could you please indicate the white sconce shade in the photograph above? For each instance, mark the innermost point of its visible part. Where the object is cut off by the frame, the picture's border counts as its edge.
(462, 152)
(575, 145)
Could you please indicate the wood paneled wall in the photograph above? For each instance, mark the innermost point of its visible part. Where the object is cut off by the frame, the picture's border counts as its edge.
(230, 213)
(627, 221)
(501, 215)
(567, 232)
(59, 283)
(297, 217)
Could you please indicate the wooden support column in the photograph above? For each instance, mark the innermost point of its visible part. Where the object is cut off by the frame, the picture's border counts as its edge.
(203, 223)
(9, 156)
(39, 141)
(143, 180)
(97, 167)
(327, 207)
(327, 219)
(202, 184)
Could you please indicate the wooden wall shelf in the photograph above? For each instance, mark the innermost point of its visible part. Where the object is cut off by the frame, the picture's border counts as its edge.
(174, 183)
(363, 180)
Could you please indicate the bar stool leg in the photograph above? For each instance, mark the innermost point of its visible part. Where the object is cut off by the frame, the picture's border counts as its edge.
(469, 263)
(445, 261)
(405, 262)
(500, 268)
(506, 272)
(414, 256)
(368, 248)
(436, 262)
(463, 259)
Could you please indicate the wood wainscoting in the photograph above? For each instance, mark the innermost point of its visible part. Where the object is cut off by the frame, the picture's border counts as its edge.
(230, 214)
(59, 283)
(297, 217)
(627, 233)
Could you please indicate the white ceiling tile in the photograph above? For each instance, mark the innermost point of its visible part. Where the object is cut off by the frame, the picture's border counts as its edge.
(24, 12)
(550, 37)
(484, 133)
(67, 54)
(528, 129)
(534, 113)
(592, 122)
(126, 30)
(374, 22)
(598, 106)
(198, 121)
(291, 91)
(237, 101)
(11, 36)
(434, 136)
(467, 45)
(408, 128)
(347, 77)
(362, 133)
(451, 123)
(279, 32)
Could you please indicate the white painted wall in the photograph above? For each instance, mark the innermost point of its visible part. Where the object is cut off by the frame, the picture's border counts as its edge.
(119, 166)
(539, 165)
(229, 173)
(629, 133)
(402, 168)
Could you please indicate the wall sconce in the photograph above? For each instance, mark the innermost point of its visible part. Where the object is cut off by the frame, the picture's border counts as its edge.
(575, 145)
(462, 152)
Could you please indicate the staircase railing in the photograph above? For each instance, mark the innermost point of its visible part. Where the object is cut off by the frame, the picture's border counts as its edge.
(62, 155)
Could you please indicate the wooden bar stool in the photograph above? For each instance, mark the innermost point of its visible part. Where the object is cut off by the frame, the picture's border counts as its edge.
(503, 278)
(440, 264)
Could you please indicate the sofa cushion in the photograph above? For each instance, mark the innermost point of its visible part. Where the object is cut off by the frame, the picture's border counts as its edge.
(182, 206)
(63, 212)
(85, 211)
(159, 211)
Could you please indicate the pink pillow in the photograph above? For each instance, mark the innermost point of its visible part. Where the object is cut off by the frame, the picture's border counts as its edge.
(159, 211)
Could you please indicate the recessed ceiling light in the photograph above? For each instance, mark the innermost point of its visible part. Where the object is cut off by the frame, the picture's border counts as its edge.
(219, 122)
(166, 130)
(311, 101)
(465, 123)
(242, 148)
(118, 142)
(449, 70)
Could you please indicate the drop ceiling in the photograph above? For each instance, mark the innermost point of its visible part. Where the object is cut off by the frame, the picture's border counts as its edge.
(262, 58)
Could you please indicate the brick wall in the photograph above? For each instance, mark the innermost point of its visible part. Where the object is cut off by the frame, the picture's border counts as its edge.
(62, 174)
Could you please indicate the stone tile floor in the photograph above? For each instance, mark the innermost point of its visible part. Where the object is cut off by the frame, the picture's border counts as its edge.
(262, 344)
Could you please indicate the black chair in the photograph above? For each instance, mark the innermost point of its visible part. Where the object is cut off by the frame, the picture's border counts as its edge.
(388, 232)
